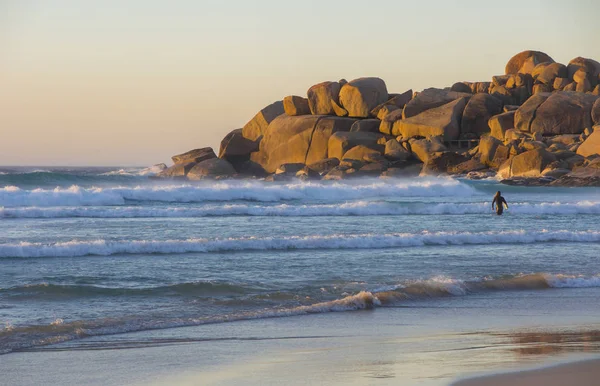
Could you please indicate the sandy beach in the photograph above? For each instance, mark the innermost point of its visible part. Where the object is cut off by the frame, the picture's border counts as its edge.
(582, 373)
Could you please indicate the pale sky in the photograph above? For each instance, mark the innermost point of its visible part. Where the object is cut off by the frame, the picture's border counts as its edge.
(132, 82)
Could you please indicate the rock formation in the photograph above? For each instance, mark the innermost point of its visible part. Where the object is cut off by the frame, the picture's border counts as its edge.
(539, 121)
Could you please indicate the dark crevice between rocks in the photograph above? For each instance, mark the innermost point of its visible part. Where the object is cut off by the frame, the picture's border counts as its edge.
(312, 133)
(533, 115)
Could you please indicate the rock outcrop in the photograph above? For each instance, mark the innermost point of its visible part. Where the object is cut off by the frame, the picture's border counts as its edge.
(534, 123)
(560, 112)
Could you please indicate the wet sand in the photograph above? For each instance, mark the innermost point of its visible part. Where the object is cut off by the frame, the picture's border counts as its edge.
(583, 373)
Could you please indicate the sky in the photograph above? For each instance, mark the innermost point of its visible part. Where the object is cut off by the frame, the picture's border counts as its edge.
(133, 82)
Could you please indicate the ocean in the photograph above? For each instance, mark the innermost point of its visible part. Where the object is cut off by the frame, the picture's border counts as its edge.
(97, 252)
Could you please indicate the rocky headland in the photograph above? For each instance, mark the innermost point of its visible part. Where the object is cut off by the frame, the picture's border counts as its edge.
(538, 124)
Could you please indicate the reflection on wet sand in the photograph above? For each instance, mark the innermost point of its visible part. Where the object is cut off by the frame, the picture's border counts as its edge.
(552, 343)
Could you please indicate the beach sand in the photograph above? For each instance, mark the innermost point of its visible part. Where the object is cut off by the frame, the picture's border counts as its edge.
(431, 344)
(582, 373)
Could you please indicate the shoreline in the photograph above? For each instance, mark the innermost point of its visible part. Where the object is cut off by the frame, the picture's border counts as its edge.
(432, 344)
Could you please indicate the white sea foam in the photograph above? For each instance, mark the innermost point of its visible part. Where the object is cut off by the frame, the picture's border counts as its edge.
(338, 241)
(236, 190)
(572, 281)
(356, 208)
(135, 172)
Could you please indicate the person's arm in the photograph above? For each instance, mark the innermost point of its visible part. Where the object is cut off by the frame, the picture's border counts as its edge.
(493, 202)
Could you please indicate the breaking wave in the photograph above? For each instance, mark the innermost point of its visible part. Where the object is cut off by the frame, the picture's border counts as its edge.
(16, 338)
(358, 208)
(12, 196)
(336, 241)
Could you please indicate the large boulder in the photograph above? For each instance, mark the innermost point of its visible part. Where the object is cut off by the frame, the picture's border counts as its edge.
(480, 108)
(429, 99)
(524, 62)
(500, 123)
(321, 96)
(563, 112)
(340, 142)
(300, 139)
(235, 147)
(211, 168)
(487, 149)
(179, 170)
(424, 148)
(196, 155)
(296, 105)
(526, 113)
(439, 121)
(591, 146)
(257, 126)
(528, 164)
(362, 95)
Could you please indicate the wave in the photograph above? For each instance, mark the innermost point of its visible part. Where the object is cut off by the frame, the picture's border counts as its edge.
(336, 241)
(359, 208)
(15, 338)
(12, 196)
(136, 172)
(64, 178)
(200, 288)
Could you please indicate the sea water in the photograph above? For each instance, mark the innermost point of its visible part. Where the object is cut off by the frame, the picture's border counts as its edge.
(102, 251)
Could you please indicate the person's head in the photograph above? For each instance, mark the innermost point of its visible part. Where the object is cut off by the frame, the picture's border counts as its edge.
(498, 194)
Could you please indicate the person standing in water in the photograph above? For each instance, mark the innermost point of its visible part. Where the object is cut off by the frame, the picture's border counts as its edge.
(500, 203)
